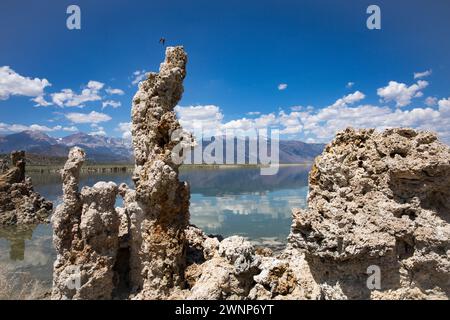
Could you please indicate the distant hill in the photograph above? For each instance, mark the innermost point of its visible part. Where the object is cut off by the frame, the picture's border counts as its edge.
(99, 149)
(102, 149)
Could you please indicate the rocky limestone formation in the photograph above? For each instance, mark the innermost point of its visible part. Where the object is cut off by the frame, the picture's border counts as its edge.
(19, 204)
(3, 166)
(159, 207)
(378, 200)
(220, 269)
(86, 237)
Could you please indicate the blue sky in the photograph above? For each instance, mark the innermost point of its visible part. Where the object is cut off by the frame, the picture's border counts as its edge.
(336, 72)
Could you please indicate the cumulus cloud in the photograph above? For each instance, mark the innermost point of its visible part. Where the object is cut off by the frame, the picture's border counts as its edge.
(111, 103)
(282, 86)
(253, 113)
(349, 99)
(97, 130)
(321, 124)
(41, 102)
(302, 108)
(418, 75)
(444, 106)
(112, 91)
(206, 117)
(95, 85)
(431, 101)
(125, 129)
(138, 76)
(13, 128)
(350, 85)
(68, 98)
(14, 84)
(92, 117)
(71, 129)
(401, 93)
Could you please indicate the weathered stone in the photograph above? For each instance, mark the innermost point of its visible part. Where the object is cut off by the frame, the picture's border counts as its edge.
(3, 166)
(378, 199)
(86, 237)
(228, 271)
(160, 208)
(19, 203)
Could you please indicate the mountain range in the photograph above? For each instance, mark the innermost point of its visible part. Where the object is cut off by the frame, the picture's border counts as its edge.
(101, 149)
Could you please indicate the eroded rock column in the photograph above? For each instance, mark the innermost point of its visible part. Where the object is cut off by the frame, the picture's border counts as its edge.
(86, 236)
(19, 203)
(159, 207)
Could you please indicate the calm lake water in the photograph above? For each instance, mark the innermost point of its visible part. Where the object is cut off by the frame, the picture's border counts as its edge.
(223, 201)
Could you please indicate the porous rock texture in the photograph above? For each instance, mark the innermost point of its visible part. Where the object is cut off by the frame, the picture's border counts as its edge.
(85, 235)
(159, 209)
(376, 200)
(19, 203)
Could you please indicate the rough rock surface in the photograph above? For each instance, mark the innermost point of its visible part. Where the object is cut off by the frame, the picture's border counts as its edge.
(86, 237)
(159, 207)
(378, 199)
(19, 204)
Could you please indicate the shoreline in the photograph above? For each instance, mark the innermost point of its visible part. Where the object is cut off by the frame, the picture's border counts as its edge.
(126, 168)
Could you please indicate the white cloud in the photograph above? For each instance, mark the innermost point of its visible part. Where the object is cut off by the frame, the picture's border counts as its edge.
(431, 101)
(95, 85)
(321, 125)
(291, 123)
(41, 102)
(207, 117)
(401, 93)
(68, 98)
(282, 86)
(111, 103)
(253, 113)
(350, 85)
(97, 130)
(111, 91)
(13, 84)
(302, 108)
(12, 128)
(125, 129)
(418, 75)
(350, 99)
(92, 117)
(71, 129)
(444, 106)
(240, 124)
(138, 76)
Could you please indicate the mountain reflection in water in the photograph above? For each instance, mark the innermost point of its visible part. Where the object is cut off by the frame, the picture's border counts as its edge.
(224, 201)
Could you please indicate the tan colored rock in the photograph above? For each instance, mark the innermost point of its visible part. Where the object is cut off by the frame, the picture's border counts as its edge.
(159, 210)
(86, 237)
(378, 199)
(228, 271)
(19, 203)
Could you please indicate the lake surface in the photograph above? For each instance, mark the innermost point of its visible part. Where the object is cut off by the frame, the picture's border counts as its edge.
(231, 201)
